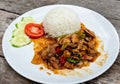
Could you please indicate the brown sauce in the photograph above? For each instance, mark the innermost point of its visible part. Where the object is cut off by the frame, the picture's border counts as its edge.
(66, 58)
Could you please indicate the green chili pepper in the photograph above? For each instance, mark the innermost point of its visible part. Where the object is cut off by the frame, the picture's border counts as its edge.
(64, 46)
(82, 36)
(74, 61)
(78, 55)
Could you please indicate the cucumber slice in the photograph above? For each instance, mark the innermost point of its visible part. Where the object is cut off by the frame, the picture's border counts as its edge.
(17, 32)
(24, 21)
(28, 19)
(20, 40)
(20, 25)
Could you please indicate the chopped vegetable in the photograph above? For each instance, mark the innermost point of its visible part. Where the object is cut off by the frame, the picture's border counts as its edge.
(82, 36)
(62, 60)
(62, 36)
(58, 50)
(19, 38)
(64, 46)
(78, 55)
(74, 61)
(34, 30)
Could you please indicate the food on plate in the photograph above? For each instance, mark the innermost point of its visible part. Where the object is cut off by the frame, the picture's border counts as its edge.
(68, 51)
(67, 43)
(60, 21)
(19, 38)
(60, 42)
(34, 30)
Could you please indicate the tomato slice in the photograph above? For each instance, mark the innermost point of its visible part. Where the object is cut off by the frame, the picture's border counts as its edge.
(34, 30)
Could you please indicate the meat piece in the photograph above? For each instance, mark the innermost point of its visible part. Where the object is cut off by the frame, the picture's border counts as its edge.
(91, 33)
(65, 39)
(68, 65)
(51, 51)
(80, 64)
(75, 57)
(73, 45)
(82, 53)
(91, 44)
(54, 62)
(84, 47)
(75, 50)
(49, 66)
(80, 44)
(43, 53)
(74, 38)
(66, 53)
(88, 39)
(87, 57)
(93, 52)
(48, 51)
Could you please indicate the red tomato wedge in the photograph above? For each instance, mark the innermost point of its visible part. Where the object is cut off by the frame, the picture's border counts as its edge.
(34, 30)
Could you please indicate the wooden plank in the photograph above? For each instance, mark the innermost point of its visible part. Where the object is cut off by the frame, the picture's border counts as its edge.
(112, 76)
(110, 9)
(107, 8)
(116, 24)
(21, 6)
(9, 76)
(5, 19)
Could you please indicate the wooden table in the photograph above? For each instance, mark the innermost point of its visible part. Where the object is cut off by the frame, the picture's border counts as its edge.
(11, 9)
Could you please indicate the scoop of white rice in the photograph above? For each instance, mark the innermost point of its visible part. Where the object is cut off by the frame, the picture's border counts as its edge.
(60, 21)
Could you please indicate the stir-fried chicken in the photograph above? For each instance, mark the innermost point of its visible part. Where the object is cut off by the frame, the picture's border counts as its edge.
(71, 51)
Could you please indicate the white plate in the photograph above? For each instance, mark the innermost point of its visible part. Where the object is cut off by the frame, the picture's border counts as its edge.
(20, 58)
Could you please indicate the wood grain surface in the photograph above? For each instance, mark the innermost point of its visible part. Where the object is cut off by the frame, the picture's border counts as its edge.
(11, 9)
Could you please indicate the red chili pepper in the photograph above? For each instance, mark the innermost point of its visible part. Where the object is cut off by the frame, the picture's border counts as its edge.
(84, 56)
(62, 60)
(58, 50)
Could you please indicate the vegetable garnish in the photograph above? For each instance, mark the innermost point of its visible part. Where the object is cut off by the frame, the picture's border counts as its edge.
(64, 46)
(34, 30)
(58, 50)
(19, 38)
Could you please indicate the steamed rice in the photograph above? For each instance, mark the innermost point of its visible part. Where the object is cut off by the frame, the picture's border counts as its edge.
(61, 21)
